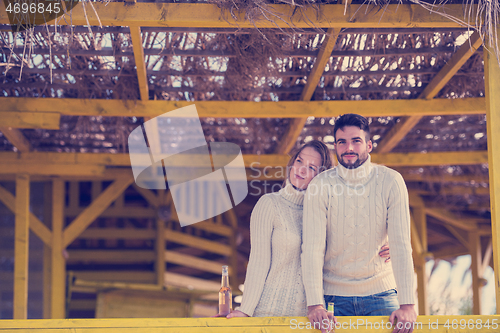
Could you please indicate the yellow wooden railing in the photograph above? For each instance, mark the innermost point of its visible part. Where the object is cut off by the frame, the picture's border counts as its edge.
(425, 324)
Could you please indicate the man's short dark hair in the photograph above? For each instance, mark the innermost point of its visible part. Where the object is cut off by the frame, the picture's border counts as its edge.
(351, 119)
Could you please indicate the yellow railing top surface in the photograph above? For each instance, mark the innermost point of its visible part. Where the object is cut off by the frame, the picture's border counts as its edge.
(425, 324)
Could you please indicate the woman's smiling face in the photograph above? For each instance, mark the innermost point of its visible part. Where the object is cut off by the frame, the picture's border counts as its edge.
(305, 167)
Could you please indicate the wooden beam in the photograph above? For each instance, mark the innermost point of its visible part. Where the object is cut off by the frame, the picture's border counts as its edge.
(193, 262)
(492, 87)
(142, 77)
(125, 212)
(47, 252)
(460, 235)
(117, 233)
(16, 138)
(50, 169)
(208, 15)
(245, 109)
(446, 216)
(73, 160)
(197, 242)
(94, 210)
(21, 247)
(115, 256)
(58, 274)
(401, 129)
(45, 120)
(296, 126)
(35, 224)
(445, 178)
(439, 324)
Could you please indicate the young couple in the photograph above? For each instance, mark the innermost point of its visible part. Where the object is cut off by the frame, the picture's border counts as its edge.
(320, 238)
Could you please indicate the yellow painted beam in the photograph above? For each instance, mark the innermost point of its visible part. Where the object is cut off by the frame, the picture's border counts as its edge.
(446, 216)
(72, 160)
(115, 256)
(399, 131)
(58, 274)
(193, 262)
(296, 126)
(492, 82)
(50, 169)
(94, 210)
(424, 324)
(142, 77)
(445, 178)
(245, 109)
(45, 120)
(197, 242)
(35, 224)
(47, 251)
(206, 15)
(17, 138)
(21, 247)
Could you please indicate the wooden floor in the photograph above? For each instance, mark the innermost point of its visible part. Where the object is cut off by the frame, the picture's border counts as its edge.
(425, 324)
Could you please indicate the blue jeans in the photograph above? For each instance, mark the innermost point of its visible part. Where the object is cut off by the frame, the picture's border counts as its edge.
(382, 304)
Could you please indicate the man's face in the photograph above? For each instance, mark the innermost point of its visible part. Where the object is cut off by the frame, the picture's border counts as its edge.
(351, 147)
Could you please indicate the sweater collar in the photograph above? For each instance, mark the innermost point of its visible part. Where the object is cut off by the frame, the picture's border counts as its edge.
(290, 194)
(360, 175)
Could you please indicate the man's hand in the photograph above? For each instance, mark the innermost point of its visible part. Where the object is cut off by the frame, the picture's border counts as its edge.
(406, 317)
(384, 252)
(319, 317)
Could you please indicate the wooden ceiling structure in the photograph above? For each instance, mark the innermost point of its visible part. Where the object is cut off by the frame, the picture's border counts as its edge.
(449, 185)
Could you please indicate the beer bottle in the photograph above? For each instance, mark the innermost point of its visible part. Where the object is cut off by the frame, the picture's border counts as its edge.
(225, 294)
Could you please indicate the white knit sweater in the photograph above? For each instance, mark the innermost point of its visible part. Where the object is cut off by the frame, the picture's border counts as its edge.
(348, 216)
(273, 284)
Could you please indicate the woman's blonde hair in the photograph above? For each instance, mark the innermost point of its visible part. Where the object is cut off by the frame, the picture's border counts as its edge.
(323, 151)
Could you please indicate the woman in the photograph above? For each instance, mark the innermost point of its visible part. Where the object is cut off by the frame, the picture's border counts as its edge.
(273, 284)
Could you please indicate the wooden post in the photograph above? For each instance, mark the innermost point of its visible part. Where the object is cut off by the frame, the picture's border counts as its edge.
(492, 87)
(58, 276)
(47, 251)
(476, 262)
(21, 247)
(420, 250)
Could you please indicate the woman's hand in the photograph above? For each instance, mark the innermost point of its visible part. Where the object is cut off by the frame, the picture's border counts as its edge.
(384, 252)
(236, 313)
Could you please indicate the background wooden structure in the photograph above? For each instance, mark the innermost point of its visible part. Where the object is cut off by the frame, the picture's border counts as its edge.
(71, 144)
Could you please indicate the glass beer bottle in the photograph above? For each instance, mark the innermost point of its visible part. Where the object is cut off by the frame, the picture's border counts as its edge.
(225, 294)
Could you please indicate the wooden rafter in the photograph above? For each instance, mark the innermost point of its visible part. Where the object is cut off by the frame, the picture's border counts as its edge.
(45, 120)
(296, 125)
(401, 129)
(231, 109)
(17, 138)
(206, 15)
(142, 77)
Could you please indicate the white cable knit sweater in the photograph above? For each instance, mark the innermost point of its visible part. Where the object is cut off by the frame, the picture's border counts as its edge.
(348, 216)
(273, 284)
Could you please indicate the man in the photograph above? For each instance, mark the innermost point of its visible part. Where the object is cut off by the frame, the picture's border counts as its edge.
(349, 212)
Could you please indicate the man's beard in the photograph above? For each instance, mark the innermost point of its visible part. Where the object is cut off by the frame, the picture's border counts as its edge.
(356, 163)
